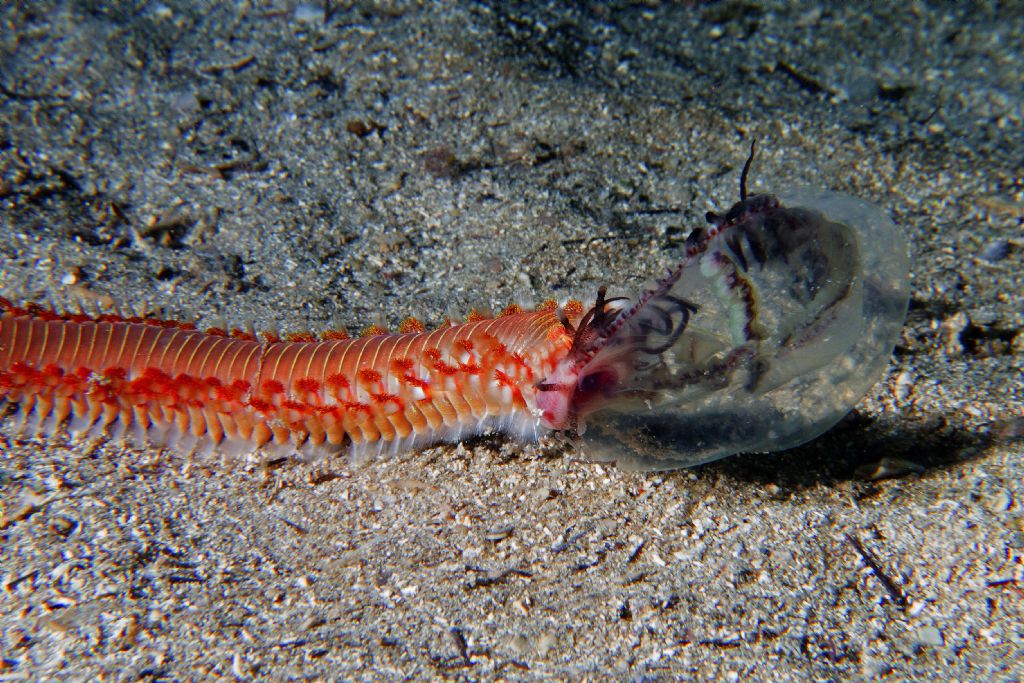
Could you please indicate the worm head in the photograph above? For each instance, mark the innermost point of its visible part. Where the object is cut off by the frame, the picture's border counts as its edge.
(614, 347)
(579, 384)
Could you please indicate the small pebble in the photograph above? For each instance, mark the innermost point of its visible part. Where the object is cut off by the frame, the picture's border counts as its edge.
(1009, 428)
(309, 14)
(996, 250)
(887, 467)
(544, 644)
(999, 502)
(929, 635)
(162, 11)
(499, 533)
(519, 644)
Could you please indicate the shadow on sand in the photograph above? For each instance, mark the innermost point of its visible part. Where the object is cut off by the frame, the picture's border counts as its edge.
(861, 449)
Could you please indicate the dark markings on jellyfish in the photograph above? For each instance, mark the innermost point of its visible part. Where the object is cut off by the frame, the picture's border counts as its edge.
(665, 322)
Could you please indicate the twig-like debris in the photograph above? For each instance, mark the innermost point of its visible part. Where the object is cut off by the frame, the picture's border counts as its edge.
(294, 525)
(636, 552)
(460, 644)
(494, 579)
(808, 83)
(898, 595)
(237, 65)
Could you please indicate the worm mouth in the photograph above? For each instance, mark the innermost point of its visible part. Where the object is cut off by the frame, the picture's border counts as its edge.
(554, 404)
(611, 344)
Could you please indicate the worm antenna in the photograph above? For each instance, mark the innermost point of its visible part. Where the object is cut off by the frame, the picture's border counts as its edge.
(746, 170)
(564, 319)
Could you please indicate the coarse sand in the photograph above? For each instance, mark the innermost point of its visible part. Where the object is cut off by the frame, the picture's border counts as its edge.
(305, 166)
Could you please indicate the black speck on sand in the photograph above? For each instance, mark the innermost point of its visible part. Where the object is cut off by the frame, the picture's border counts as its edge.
(304, 169)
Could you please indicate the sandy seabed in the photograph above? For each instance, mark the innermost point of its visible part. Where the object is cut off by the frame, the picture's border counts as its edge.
(305, 169)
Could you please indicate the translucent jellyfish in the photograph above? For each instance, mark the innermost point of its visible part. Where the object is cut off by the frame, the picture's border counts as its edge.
(779, 319)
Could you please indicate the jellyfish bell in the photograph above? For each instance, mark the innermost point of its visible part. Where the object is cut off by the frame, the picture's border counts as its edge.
(779, 319)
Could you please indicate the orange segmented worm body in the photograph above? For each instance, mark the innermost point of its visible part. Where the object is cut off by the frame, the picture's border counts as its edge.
(168, 383)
